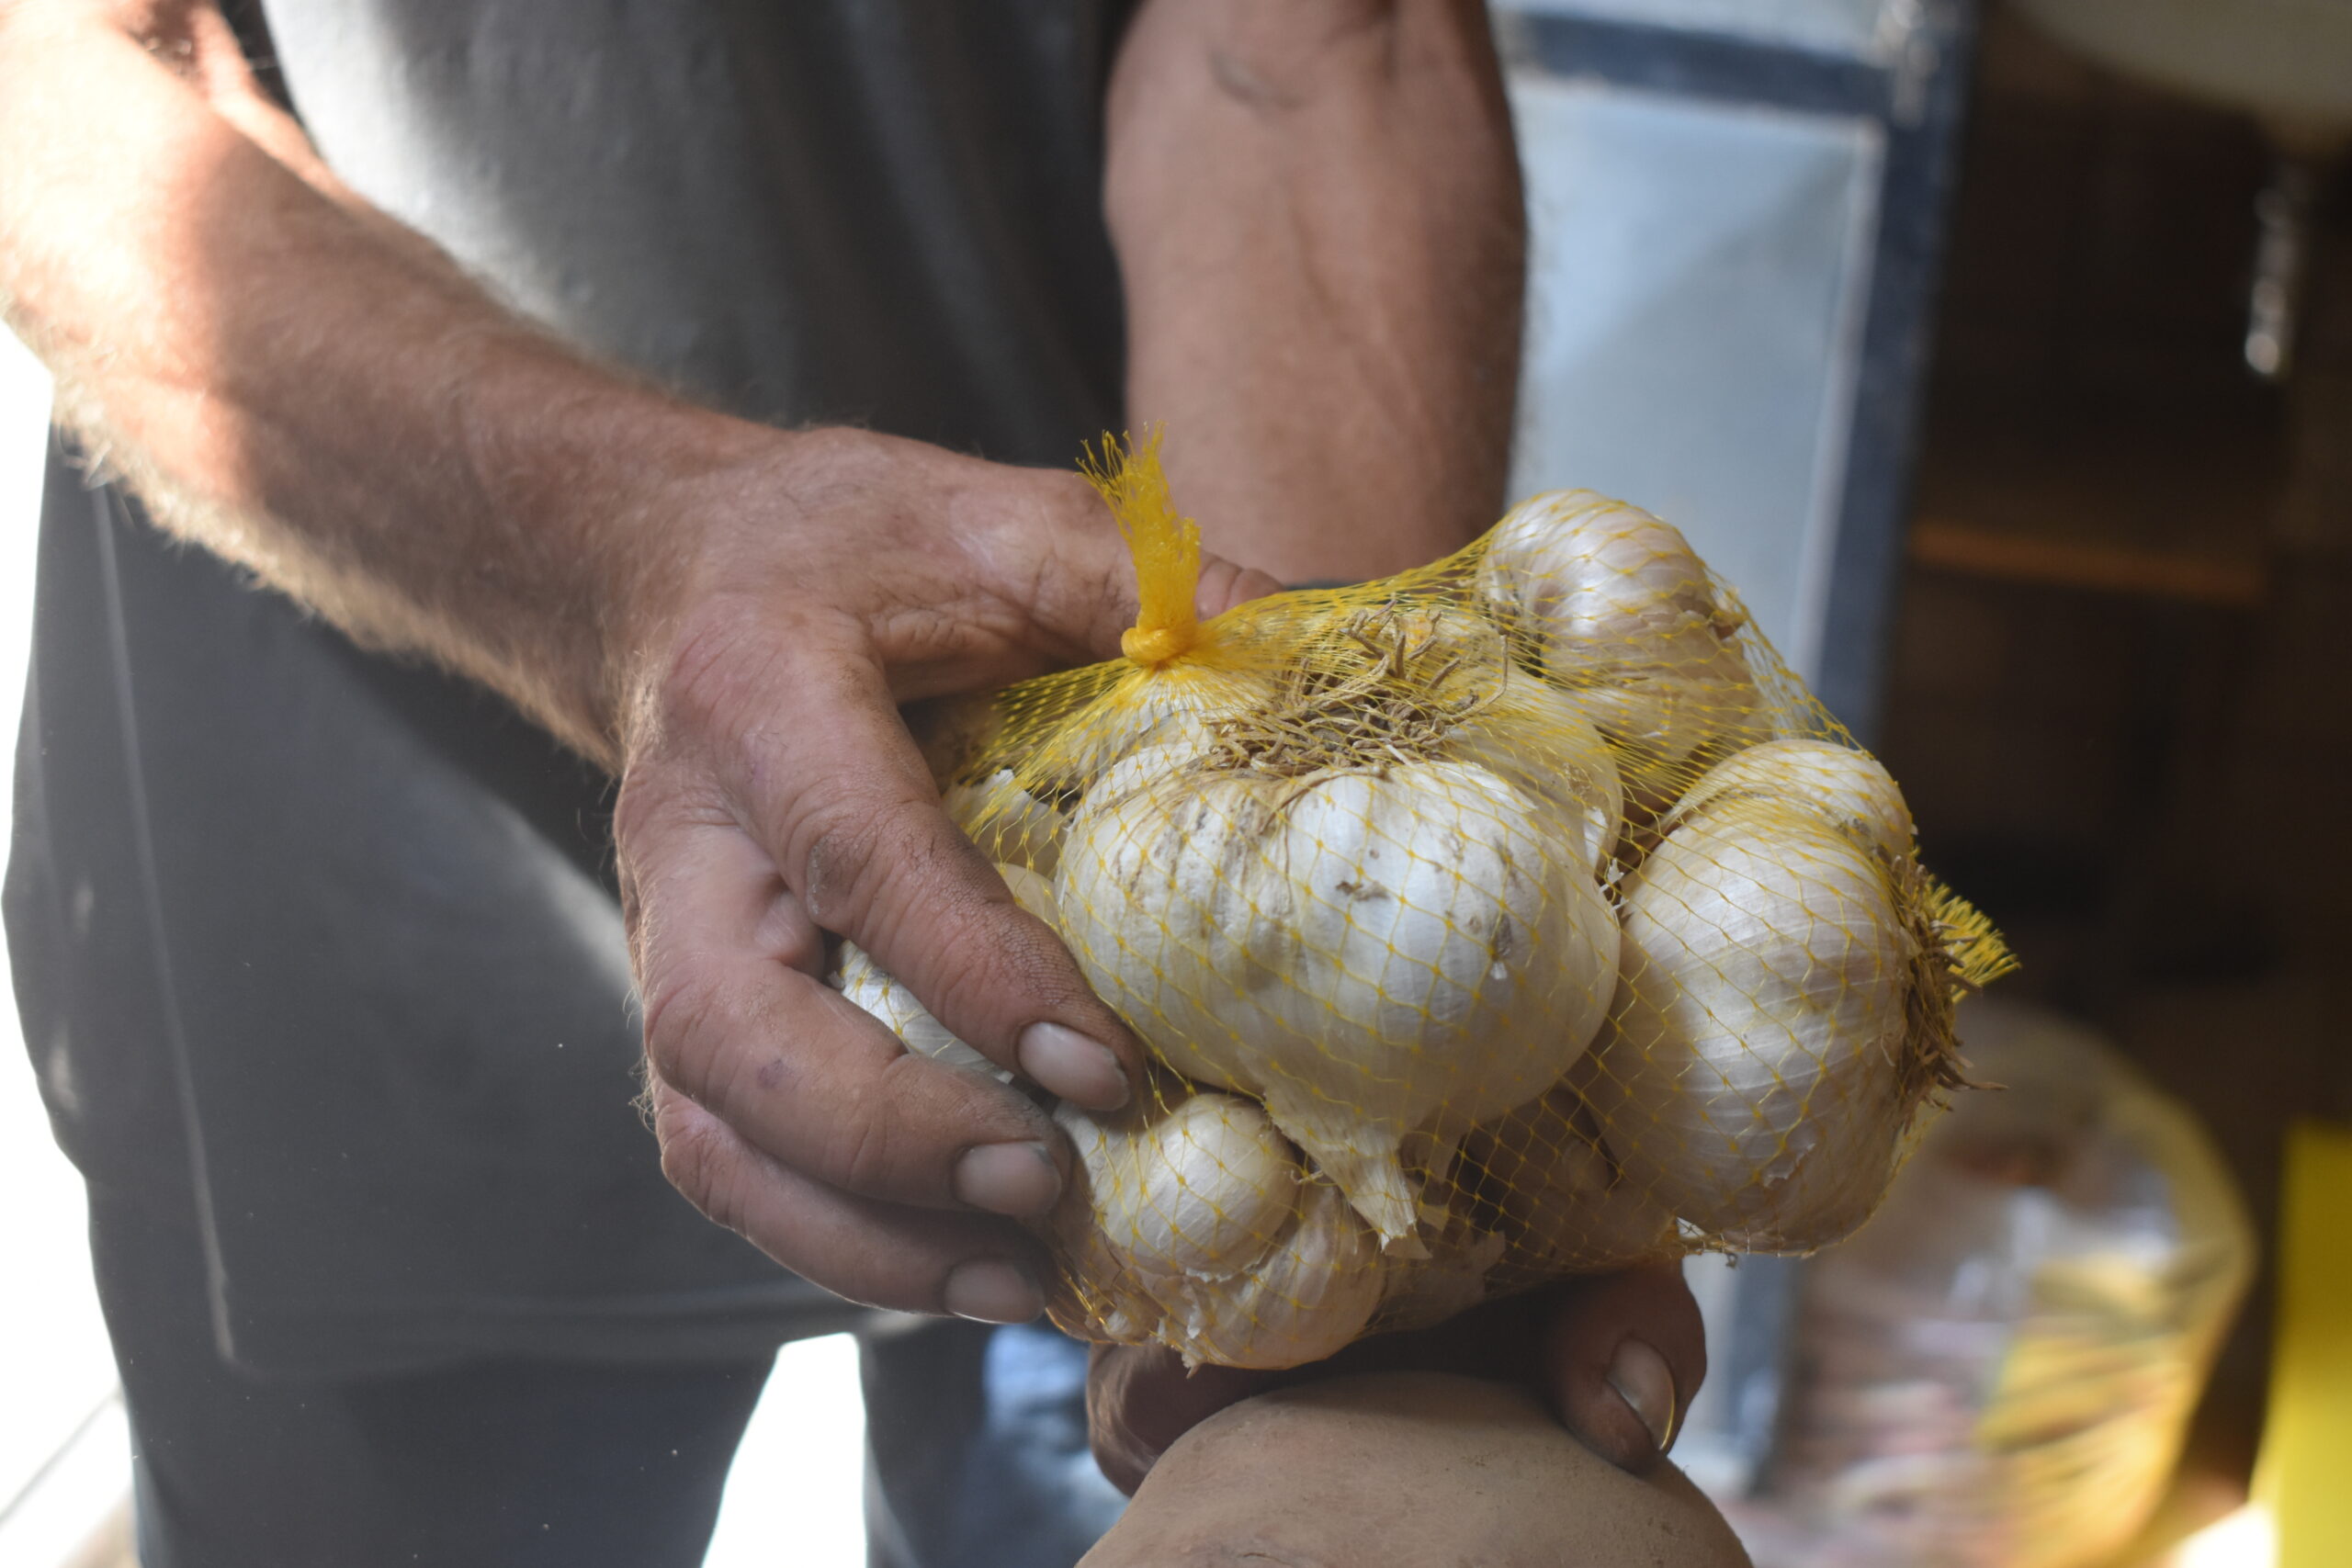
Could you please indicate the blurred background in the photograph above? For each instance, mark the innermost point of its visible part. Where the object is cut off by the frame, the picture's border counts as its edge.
(2002, 356)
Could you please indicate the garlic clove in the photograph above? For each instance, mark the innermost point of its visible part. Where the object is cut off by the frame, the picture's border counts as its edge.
(1624, 615)
(1761, 1068)
(1009, 825)
(1847, 785)
(866, 983)
(1204, 1186)
(1312, 1295)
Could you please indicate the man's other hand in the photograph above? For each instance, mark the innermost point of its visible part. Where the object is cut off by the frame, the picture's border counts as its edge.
(770, 795)
(1616, 1358)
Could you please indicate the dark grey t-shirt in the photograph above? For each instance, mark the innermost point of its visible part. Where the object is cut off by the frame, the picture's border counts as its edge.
(320, 949)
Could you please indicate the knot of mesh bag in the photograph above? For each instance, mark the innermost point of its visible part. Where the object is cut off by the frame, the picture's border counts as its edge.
(1166, 547)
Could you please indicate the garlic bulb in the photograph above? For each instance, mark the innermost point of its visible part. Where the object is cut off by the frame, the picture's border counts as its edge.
(1535, 736)
(1202, 1188)
(1566, 1207)
(1194, 1224)
(856, 976)
(1776, 1025)
(1009, 825)
(1307, 1299)
(1521, 728)
(1847, 785)
(1463, 1254)
(1178, 704)
(1363, 948)
(1624, 615)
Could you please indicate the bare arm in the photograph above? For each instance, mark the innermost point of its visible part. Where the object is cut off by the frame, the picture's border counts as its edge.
(727, 615)
(1321, 233)
(308, 387)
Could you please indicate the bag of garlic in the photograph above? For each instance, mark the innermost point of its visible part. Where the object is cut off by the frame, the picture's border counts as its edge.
(1517, 916)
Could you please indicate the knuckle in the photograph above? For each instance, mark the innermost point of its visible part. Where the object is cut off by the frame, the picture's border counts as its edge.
(638, 806)
(874, 1140)
(719, 659)
(866, 1150)
(700, 1162)
(851, 848)
(681, 999)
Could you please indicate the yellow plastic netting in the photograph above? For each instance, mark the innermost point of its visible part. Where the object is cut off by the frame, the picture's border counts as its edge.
(1517, 916)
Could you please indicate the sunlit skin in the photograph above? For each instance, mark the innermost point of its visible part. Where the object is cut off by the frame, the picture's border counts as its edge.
(1316, 209)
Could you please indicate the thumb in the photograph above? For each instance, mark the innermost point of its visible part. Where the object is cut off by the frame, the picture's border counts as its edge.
(1226, 584)
(1623, 1355)
(1083, 585)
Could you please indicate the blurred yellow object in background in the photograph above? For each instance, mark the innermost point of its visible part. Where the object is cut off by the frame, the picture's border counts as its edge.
(2307, 1442)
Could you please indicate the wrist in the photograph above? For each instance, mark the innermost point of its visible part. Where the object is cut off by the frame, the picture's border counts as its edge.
(616, 493)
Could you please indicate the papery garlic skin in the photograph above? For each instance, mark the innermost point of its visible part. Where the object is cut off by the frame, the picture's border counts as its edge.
(866, 983)
(1360, 948)
(892, 1002)
(1308, 1298)
(1205, 1187)
(1565, 1206)
(1009, 825)
(1756, 1076)
(1849, 786)
(1535, 736)
(1177, 704)
(1192, 1224)
(1524, 729)
(1624, 615)
(1453, 1277)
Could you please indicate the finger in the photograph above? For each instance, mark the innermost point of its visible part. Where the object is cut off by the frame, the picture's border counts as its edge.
(861, 837)
(1078, 578)
(1139, 1400)
(880, 1254)
(736, 1020)
(1226, 584)
(1624, 1355)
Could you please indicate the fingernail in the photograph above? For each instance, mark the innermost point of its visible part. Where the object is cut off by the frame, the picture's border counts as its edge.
(990, 1290)
(1643, 1381)
(1064, 1062)
(1008, 1178)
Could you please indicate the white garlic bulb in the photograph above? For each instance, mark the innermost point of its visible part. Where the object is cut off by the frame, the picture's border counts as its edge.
(1362, 948)
(857, 977)
(1194, 1224)
(1626, 616)
(1848, 786)
(1761, 1064)
(1518, 726)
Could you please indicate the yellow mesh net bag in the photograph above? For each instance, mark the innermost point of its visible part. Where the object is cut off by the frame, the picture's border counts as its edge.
(1514, 917)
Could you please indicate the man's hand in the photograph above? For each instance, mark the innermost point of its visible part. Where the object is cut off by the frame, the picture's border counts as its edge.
(770, 794)
(1617, 1359)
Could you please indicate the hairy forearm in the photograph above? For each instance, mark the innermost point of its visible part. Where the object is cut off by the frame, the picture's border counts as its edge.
(1318, 221)
(302, 385)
